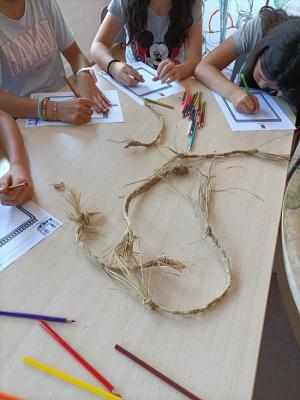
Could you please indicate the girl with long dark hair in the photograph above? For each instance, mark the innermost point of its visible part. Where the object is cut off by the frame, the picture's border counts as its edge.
(163, 34)
(271, 44)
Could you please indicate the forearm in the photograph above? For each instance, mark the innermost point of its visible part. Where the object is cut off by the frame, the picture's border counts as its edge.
(80, 61)
(18, 106)
(101, 54)
(11, 140)
(186, 68)
(212, 78)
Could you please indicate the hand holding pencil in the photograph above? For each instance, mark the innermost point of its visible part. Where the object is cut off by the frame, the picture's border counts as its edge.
(244, 101)
(15, 186)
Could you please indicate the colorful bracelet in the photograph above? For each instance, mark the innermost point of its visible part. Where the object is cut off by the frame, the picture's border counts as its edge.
(44, 104)
(54, 111)
(39, 109)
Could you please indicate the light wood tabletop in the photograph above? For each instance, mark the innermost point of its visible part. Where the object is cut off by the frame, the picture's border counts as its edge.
(214, 354)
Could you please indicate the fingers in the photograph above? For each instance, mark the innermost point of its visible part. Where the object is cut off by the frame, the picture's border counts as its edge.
(101, 102)
(256, 103)
(16, 196)
(166, 72)
(248, 104)
(128, 76)
(133, 73)
(4, 183)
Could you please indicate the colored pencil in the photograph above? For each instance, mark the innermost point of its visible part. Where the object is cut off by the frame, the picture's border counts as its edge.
(186, 103)
(157, 373)
(35, 316)
(203, 114)
(71, 379)
(159, 103)
(78, 357)
(193, 137)
(71, 86)
(18, 185)
(5, 396)
(248, 91)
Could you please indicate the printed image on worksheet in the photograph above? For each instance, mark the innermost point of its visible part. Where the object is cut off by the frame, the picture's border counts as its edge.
(21, 228)
(269, 117)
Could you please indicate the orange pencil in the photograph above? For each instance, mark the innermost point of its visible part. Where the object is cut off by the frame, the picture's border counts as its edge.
(71, 86)
(5, 396)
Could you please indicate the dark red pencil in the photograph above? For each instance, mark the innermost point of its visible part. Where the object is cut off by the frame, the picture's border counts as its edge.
(78, 357)
(157, 373)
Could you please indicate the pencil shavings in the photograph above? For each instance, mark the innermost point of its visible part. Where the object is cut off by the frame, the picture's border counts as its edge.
(120, 262)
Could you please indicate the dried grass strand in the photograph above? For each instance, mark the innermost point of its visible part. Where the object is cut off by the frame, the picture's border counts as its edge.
(120, 262)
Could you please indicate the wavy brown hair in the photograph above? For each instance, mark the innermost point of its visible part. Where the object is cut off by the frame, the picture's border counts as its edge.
(181, 20)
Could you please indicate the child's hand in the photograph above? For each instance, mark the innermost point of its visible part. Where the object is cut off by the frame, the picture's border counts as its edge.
(89, 90)
(75, 111)
(13, 197)
(125, 74)
(167, 72)
(244, 103)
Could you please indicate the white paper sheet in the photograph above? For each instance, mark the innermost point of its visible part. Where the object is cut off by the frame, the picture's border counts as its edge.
(150, 89)
(269, 118)
(21, 228)
(114, 115)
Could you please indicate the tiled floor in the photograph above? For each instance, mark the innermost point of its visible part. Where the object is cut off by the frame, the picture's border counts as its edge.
(278, 373)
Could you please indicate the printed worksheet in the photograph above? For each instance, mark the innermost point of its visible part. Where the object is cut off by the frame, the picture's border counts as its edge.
(114, 115)
(153, 90)
(269, 118)
(21, 228)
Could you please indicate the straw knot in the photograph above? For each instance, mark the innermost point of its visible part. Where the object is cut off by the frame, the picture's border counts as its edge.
(180, 167)
(83, 219)
(252, 151)
(208, 231)
(148, 301)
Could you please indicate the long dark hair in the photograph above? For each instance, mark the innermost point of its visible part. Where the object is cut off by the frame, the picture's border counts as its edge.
(181, 19)
(279, 53)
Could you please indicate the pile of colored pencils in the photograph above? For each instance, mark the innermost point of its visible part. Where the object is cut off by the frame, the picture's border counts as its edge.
(194, 109)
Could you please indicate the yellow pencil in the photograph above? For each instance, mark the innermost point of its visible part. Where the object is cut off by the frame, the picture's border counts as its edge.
(71, 379)
(18, 185)
(158, 103)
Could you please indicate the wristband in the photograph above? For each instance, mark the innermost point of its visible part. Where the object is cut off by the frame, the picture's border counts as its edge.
(87, 69)
(109, 65)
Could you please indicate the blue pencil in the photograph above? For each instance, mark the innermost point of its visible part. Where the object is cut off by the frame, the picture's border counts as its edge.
(35, 316)
(192, 139)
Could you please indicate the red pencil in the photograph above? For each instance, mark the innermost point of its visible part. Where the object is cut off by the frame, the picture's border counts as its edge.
(5, 396)
(78, 357)
(157, 373)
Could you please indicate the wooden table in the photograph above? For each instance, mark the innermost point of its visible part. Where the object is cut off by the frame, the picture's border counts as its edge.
(215, 354)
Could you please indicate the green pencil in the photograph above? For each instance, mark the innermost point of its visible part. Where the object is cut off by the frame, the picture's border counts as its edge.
(246, 85)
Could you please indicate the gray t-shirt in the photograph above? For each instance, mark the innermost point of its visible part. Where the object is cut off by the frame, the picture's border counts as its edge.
(30, 59)
(245, 39)
(151, 47)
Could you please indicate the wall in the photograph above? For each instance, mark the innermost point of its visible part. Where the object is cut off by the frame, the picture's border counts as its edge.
(83, 18)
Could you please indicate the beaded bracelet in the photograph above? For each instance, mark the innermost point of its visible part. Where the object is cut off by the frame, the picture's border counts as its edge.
(44, 108)
(39, 109)
(54, 111)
